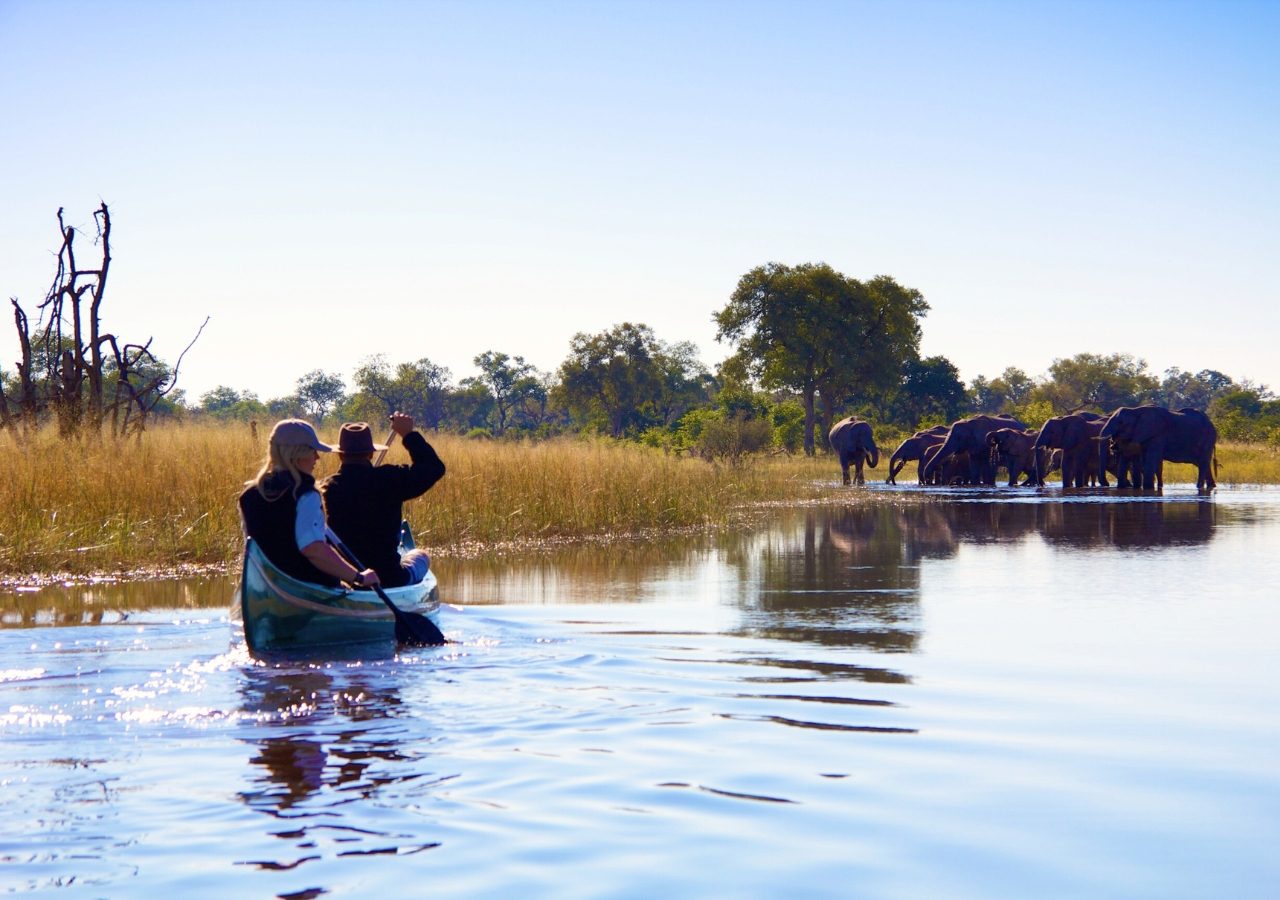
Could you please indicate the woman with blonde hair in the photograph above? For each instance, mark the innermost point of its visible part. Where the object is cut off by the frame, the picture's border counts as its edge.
(281, 510)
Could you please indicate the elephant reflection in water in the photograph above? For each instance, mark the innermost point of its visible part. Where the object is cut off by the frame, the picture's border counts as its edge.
(937, 530)
(1141, 524)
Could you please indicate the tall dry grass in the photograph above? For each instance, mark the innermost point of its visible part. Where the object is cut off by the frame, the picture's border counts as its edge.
(103, 505)
(1242, 464)
(106, 505)
(499, 491)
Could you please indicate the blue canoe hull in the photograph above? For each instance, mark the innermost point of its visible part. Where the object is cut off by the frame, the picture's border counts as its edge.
(282, 614)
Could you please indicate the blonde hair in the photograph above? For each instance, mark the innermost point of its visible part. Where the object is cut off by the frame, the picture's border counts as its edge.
(281, 458)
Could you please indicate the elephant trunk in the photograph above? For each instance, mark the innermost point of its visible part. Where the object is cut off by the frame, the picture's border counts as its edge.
(873, 455)
(947, 449)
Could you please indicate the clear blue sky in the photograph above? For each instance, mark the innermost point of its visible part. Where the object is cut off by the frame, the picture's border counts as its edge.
(437, 179)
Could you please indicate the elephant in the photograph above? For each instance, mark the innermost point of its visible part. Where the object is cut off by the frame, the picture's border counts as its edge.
(1052, 463)
(914, 448)
(1016, 451)
(1075, 436)
(851, 439)
(970, 436)
(1163, 435)
(1128, 464)
(953, 470)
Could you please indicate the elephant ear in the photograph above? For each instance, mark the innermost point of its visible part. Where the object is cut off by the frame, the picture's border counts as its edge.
(1072, 431)
(1149, 423)
(993, 438)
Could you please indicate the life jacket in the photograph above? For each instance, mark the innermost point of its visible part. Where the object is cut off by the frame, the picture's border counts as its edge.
(272, 524)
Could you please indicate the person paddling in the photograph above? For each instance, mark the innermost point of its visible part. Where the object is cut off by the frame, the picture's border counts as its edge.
(281, 510)
(363, 501)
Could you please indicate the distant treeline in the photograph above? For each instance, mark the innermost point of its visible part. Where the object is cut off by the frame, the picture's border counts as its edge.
(811, 346)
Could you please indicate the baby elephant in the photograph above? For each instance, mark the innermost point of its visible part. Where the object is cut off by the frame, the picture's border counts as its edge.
(851, 440)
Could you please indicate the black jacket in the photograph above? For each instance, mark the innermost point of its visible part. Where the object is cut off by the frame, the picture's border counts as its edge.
(362, 505)
(273, 523)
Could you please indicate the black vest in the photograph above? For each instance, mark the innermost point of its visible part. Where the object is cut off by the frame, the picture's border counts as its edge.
(363, 505)
(273, 523)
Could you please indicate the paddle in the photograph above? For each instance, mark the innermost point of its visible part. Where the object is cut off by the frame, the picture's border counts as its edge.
(383, 452)
(413, 629)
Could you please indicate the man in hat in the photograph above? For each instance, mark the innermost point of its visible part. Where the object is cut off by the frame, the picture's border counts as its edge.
(363, 502)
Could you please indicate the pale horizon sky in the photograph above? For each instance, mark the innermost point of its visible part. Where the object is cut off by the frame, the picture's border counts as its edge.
(329, 181)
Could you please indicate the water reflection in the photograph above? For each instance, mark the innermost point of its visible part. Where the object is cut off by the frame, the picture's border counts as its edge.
(323, 739)
(108, 602)
(813, 566)
(835, 577)
(938, 530)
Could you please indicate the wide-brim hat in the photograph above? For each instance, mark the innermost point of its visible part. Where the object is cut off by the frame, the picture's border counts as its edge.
(356, 438)
(297, 432)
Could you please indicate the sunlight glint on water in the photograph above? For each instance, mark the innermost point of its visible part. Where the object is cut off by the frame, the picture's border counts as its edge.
(971, 698)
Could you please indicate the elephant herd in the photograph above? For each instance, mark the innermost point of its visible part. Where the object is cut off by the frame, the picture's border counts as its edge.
(1132, 444)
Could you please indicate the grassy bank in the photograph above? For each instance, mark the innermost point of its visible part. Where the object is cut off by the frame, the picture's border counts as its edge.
(107, 506)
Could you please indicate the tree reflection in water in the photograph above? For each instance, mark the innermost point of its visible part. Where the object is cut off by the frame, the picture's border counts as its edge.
(850, 577)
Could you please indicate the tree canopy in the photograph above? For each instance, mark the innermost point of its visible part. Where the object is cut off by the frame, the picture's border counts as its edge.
(813, 330)
(625, 379)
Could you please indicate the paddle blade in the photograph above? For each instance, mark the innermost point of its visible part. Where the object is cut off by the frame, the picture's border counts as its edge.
(416, 630)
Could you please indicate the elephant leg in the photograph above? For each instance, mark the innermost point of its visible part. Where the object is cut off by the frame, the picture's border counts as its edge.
(1204, 478)
(1124, 471)
(978, 469)
(1079, 478)
(857, 465)
(1151, 463)
(844, 467)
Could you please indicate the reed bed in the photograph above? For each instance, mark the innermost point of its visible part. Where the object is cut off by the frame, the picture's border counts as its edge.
(168, 501)
(1240, 464)
(102, 505)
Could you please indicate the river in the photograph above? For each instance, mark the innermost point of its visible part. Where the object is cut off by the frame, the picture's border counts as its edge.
(955, 693)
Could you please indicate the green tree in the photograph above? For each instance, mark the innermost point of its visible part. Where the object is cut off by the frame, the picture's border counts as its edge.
(618, 378)
(509, 381)
(1010, 389)
(468, 406)
(534, 410)
(319, 392)
(417, 388)
(219, 399)
(812, 330)
(223, 402)
(287, 407)
(1088, 380)
(1180, 389)
(684, 382)
(931, 388)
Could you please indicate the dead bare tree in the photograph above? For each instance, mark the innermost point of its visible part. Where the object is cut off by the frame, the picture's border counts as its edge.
(70, 366)
(142, 382)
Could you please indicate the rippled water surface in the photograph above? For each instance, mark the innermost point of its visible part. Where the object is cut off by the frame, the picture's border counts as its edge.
(991, 694)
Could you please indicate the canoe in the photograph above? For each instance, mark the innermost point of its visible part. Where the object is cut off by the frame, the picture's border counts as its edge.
(280, 613)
